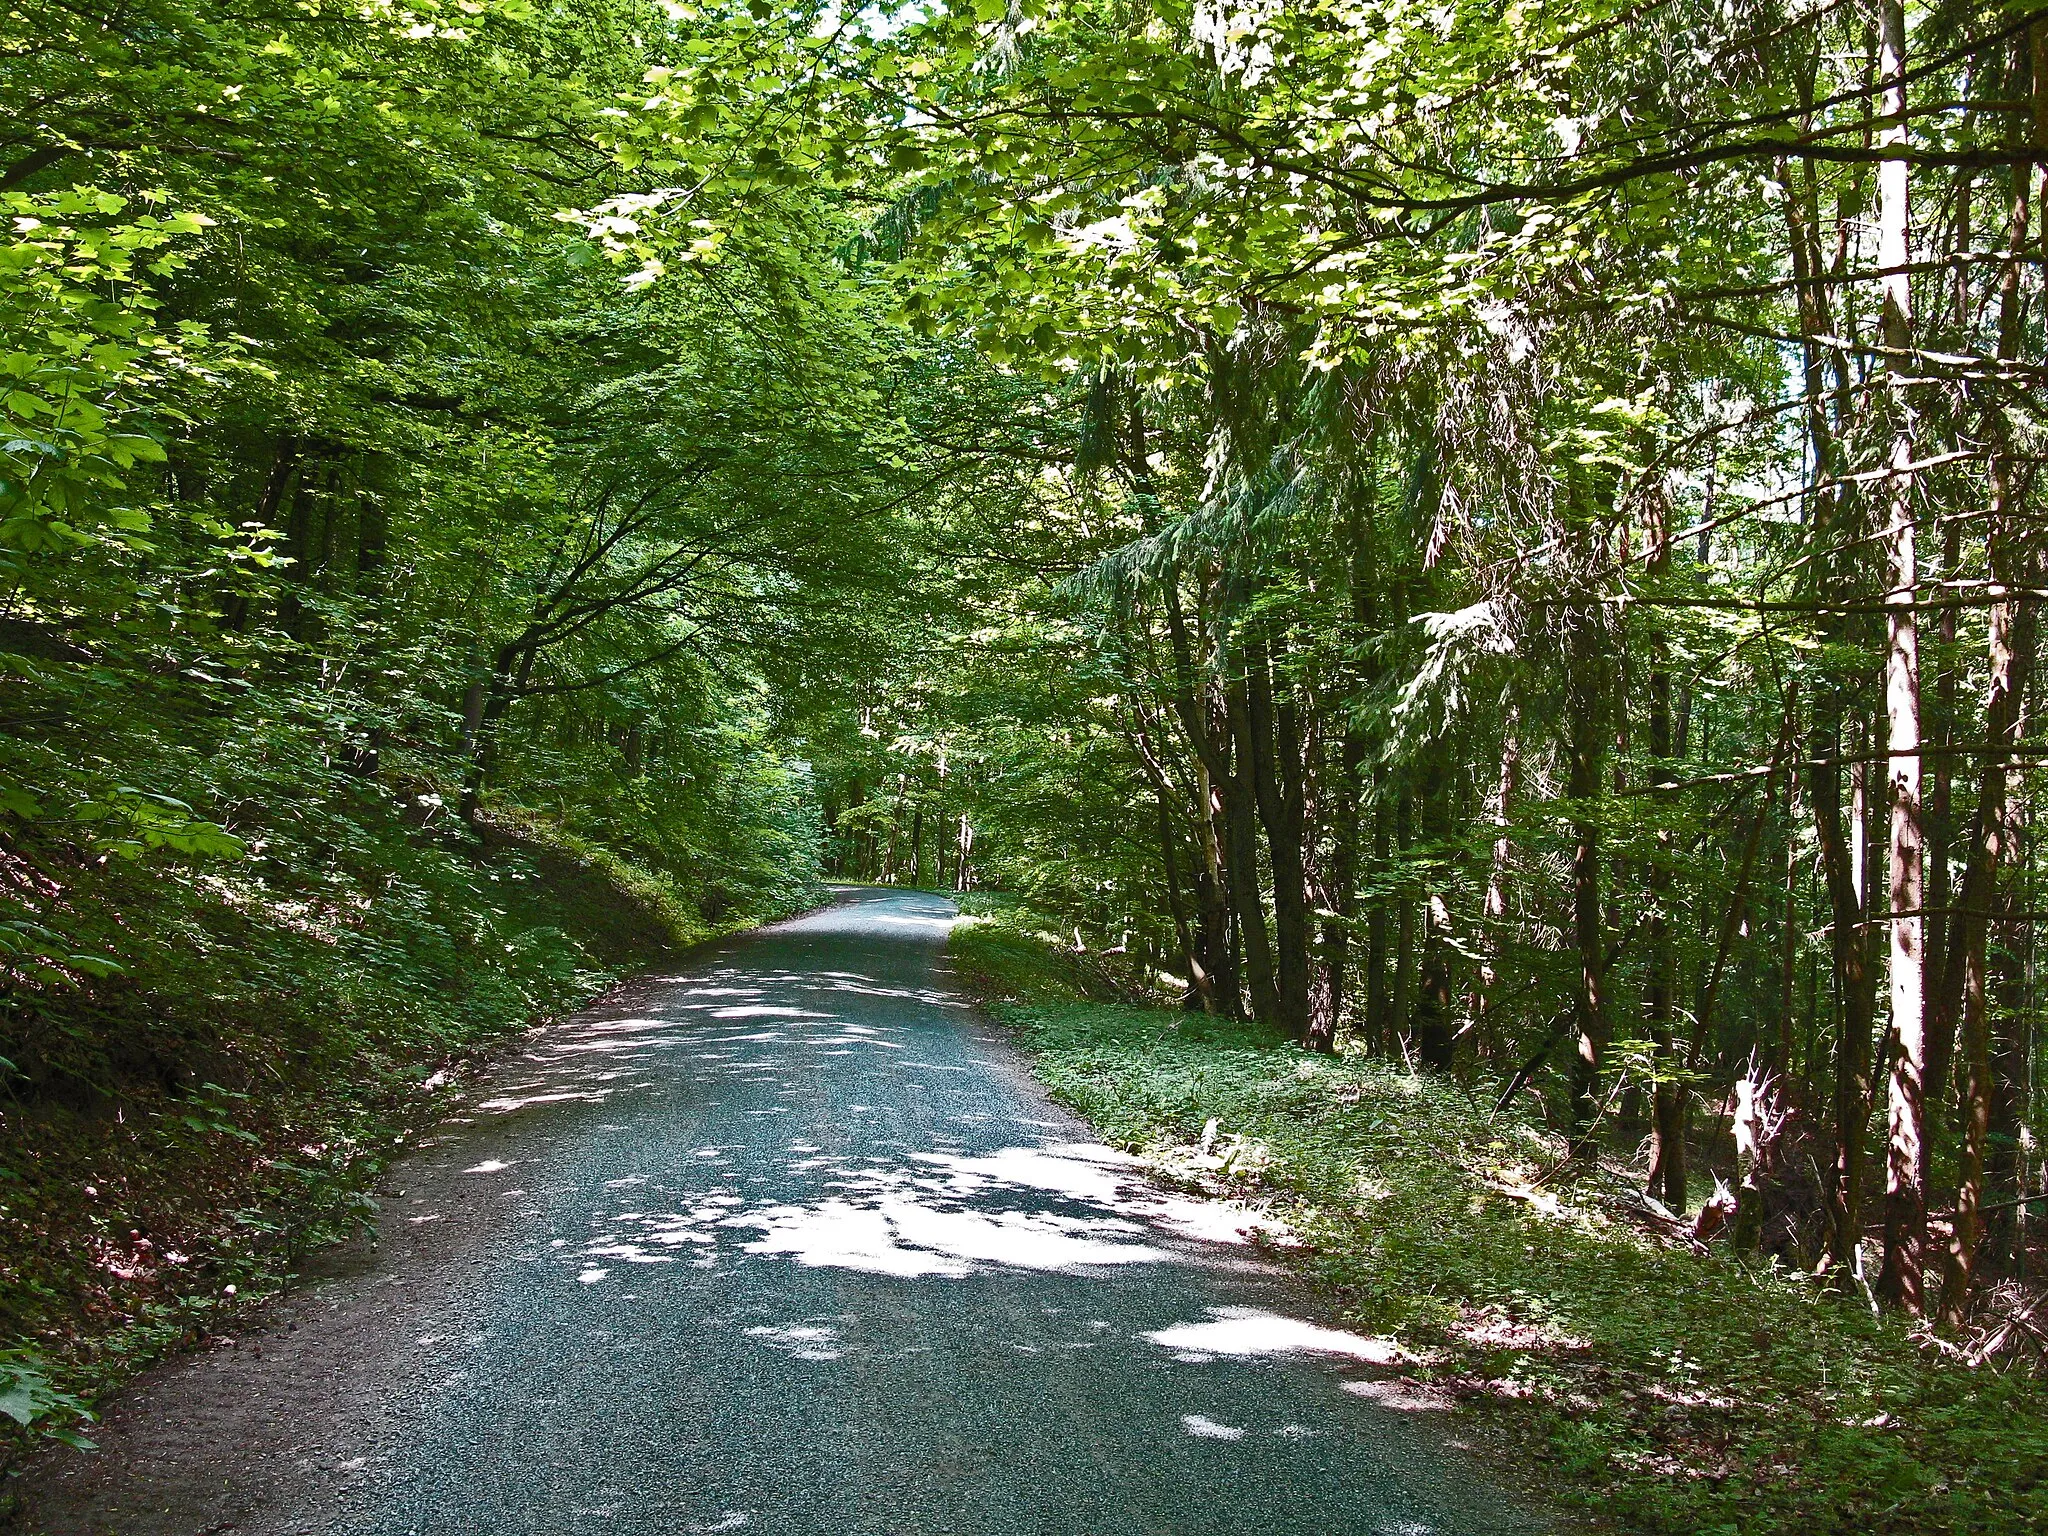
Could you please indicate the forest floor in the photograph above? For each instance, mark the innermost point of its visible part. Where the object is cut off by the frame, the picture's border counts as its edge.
(150, 1202)
(1659, 1386)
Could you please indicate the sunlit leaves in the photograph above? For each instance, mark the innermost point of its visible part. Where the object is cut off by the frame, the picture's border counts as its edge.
(83, 352)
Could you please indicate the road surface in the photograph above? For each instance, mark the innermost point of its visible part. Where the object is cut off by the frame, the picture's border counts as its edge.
(785, 1243)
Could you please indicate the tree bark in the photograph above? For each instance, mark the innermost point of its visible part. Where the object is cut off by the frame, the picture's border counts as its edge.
(1905, 1228)
(511, 669)
(1334, 951)
(1209, 741)
(1667, 1180)
(1379, 1023)
(1271, 742)
(1589, 1017)
(1247, 900)
(1346, 830)
(1401, 1012)
(1434, 1041)
(1494, 905)
(1994, 841)
(1940, 1019)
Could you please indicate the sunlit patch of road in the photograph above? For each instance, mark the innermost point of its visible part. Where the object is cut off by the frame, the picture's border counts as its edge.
(804, 1252)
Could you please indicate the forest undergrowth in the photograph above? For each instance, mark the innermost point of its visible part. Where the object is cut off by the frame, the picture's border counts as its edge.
(175, 1141)
(1648, 1382)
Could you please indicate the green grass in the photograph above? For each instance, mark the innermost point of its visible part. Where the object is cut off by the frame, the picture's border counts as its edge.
(1653, 1387)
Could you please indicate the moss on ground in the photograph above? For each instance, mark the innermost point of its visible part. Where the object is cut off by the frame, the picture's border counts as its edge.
(1656, 1387)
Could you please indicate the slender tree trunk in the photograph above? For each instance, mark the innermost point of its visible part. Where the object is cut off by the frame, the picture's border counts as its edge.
(1247, 900)
(1401, 1013)
(1840, 852)
(1851, 957)
(2006, 1174)
(1667, 1180)
(1905, 1228)
(1434, 1039)
(1379, 1022)
(1589, 1016)
(1209, 740)
(1978, 1089)
(1940, 1019)
(1292, 860)
(1201, 993)
(856, 797)
(299, 549)
(1334, 955)
(1738, 897)
(889, 870)
(1494, 906)
(511, 669)
(1213, 891)
(1198, 997)
(1784, 1052)
(284, 460)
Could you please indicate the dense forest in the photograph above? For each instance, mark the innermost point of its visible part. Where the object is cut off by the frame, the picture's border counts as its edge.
(1501, 536)
(1538, 575)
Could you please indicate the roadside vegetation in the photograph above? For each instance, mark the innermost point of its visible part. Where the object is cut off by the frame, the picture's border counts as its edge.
(1650, 1382)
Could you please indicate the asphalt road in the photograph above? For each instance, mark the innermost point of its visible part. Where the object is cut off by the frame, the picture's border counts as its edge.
(785, 1243)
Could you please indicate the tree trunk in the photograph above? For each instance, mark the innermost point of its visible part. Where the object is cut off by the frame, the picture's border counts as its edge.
(1400, 1015)
(1994, 841)
(1589, 1020)
(1784, 1051)
(1300, 840)
(1905, 1226)
(1852, 1050)
(1208, 739)
(1494, 906)
(1434, 1041)
(1667, 1180)
(1240, 815)
(1274, 735)
(1212, 887)
(1334, 953)
(1939, 819)
(1346, 830)
(1379, 1021)
(1201, 992)
(511, 669)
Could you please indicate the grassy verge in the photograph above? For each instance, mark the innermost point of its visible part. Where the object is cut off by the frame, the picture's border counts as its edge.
(1654, 1386)
(175, 1140)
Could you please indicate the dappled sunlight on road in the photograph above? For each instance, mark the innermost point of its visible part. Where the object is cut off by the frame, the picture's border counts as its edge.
(905, 1237)
(790, 1222)
(1245, 1332)
(600, 1056)
(1064, 1207)
(1038, 1205)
